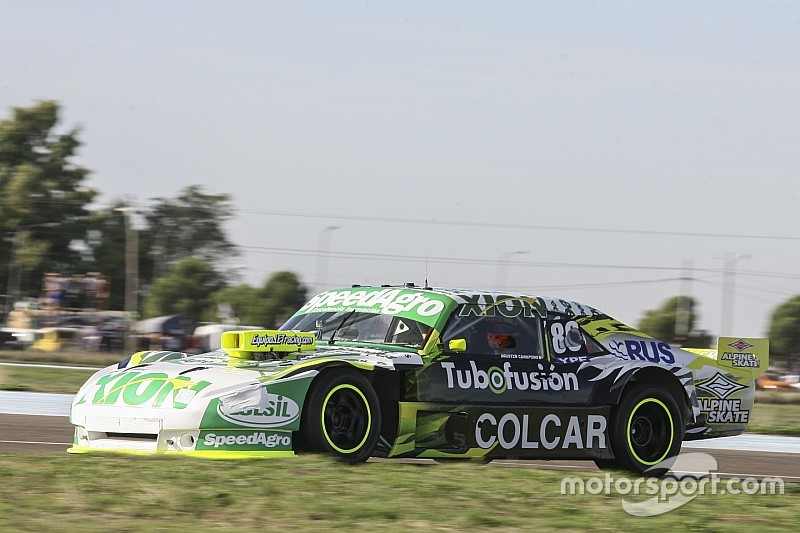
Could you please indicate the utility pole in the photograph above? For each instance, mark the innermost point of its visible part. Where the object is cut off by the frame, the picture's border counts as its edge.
(323, 251)
(730, 259)
(683, 312)
(501, 273)
(131, 276)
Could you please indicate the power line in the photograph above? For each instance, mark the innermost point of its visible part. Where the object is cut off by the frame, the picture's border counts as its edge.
(501, 225)
(442, 260)
(300, 252)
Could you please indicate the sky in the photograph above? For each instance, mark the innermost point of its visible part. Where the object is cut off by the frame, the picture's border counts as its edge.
(617, 153)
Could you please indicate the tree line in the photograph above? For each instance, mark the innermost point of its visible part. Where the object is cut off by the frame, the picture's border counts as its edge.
(185, 257)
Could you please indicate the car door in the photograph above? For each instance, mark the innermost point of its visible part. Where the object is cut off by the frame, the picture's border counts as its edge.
(493, 358)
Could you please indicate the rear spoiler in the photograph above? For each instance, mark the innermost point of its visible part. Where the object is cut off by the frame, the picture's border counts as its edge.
(741, 356)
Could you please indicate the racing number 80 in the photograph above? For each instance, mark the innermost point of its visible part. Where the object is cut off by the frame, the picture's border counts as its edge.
(560, 333)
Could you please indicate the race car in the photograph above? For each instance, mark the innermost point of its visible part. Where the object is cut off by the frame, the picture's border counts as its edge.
(407, 371)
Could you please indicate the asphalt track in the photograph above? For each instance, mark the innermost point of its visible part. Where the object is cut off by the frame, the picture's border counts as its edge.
(41, 434)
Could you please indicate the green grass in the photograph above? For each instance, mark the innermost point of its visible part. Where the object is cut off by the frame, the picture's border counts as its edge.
(122, 493)
(776, 419)
(32, 379)
(785, 397)
(62, 358)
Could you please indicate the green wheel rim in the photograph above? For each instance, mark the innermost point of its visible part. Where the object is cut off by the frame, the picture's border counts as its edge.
(644, 434)
(345, 417)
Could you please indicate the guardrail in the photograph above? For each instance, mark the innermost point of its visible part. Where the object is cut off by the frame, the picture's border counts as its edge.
(61, 367)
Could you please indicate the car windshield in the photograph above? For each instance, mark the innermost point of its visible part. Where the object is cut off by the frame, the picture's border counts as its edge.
(352, 326)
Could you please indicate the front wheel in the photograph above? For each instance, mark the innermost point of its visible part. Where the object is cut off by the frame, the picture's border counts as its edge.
(647, 430)
(342, 416)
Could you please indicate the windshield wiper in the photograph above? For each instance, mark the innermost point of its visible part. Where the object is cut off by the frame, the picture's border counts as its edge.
(340, 326)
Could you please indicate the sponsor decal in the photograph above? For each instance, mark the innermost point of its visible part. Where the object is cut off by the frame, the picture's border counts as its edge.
(149, 389)
(522, 356)
(720, 386)
(724, 411)
(500, 379)
(644, 350)
(507, 306)
(513, 431)
(571, 360)
(388, 301)
(741, 345)
(237, 440)
(741, 357)
(267, 340)
(721, 410)
(741, 360)
(278, 411)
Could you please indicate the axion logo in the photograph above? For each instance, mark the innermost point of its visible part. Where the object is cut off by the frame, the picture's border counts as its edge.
(499, 380)
(145, 388)
(507, 306)
(278, 411)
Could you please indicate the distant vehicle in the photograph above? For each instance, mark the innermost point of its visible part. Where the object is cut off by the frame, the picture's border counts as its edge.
(60, 338)
(171, 332)
(773, 380)
(18, 338)
(429, 373)
(208, 337)
(6, 337)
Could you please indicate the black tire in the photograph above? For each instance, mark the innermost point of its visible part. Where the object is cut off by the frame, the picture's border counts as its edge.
(342, 416)
(646, 431)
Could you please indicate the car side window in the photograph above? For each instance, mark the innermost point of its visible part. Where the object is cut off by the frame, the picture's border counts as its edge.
(568, 341)
(496, 335)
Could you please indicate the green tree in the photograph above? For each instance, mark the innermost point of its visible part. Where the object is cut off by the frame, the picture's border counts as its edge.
(245, 304)
(662, 323)
(191, 224)
(186, 289)
(43, 200)
(105, 251)
(283, 295)
(784, 329)
(269, 306)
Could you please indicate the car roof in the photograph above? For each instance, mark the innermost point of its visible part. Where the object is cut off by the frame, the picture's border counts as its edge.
(488, 297)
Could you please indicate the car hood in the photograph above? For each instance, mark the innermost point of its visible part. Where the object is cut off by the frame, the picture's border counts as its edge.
(174, 380)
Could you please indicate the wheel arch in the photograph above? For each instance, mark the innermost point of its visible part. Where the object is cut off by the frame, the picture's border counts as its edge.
(386, 382)
(654, 375)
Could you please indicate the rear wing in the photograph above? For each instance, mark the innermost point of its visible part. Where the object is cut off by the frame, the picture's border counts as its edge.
(741, 356)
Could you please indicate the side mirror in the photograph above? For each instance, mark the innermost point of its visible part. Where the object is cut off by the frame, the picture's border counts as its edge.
(574, 337)
(457, 345)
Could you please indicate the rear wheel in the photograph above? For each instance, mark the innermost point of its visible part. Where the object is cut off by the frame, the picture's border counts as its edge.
(646, 430)
(342, 416)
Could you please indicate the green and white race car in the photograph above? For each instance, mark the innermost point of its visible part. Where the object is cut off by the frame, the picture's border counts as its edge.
(431, 373)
